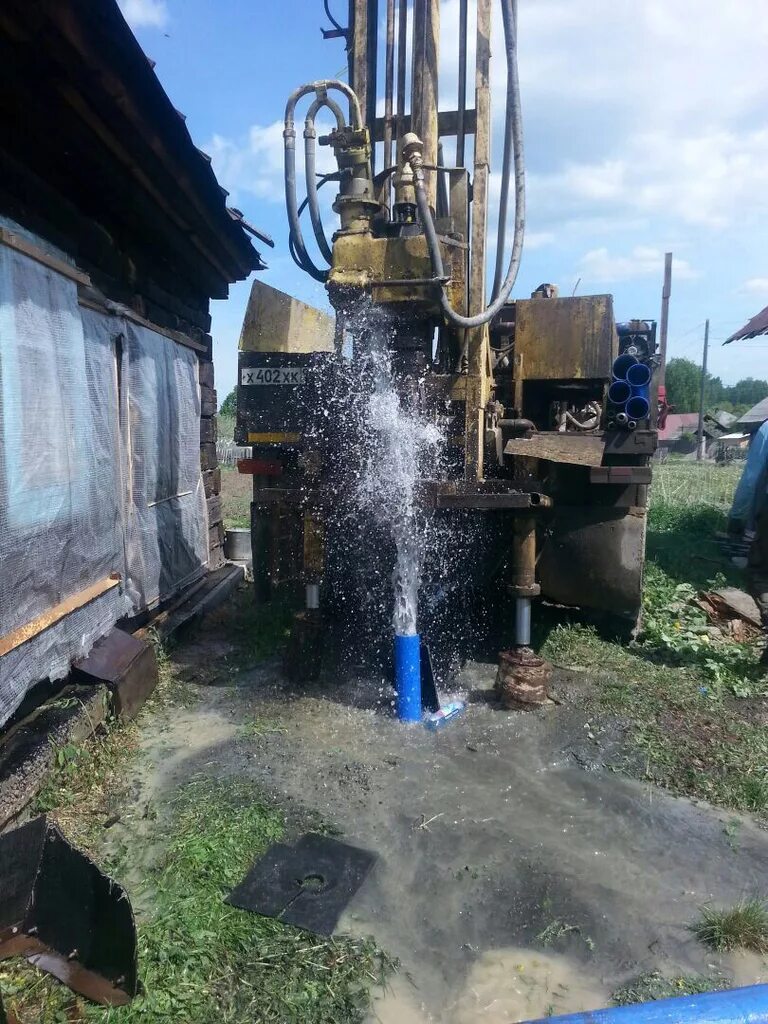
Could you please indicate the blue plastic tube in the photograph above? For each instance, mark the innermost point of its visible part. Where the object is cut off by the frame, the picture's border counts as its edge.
(638, 407)
(735, 1006)
(408, 677)
(622, 364)
(619, 392)
(639, 374)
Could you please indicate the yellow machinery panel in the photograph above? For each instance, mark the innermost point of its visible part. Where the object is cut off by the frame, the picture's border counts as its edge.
(565, 339)
(276, 322)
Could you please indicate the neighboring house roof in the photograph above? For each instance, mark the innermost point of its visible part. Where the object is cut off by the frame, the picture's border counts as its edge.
(754, 327)
(721, 419)
(99, 128)
(679, 423)
(756, 415)
(733, 437)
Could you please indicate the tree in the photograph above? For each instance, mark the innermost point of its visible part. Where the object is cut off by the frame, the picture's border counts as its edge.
(683, 383)
(229, 405)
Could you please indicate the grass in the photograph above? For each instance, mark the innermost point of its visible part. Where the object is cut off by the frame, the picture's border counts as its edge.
(236, 493)
(679, 482)
(652, 986)
(743, 926)
(691, 700)
(200, 959)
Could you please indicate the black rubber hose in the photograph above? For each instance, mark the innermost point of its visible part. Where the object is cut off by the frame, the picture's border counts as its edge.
(309, 161)
(506, 163)
(309, 269)
(514, 128)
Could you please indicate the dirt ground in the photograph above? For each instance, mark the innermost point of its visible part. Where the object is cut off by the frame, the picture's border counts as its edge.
(518, 873)
(236, 490)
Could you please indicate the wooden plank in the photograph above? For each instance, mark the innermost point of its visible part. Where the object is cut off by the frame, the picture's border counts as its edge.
(208, 430)
(208, 401)
(573, 449)
(20, 636)
(206, 374)
(208, 458)
(214, 509)
(20, 244)
(212, 481)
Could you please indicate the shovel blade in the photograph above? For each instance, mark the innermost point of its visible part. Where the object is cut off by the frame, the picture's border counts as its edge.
(65, 915)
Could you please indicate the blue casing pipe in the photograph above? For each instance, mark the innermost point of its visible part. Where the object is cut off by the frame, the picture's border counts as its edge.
(408, 677)
(622, 364)
(639, 405)
(734, 1006)
(619, 392)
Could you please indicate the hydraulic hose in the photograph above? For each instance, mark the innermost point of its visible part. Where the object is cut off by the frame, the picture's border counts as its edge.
(320, 88)
(324, 179)
(513, 133)
(501, 234)
(310, 135)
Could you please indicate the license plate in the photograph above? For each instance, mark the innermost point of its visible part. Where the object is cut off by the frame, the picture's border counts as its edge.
(272, 375)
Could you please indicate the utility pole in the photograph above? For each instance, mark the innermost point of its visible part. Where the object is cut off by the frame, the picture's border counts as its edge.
(665, 294)
(700, 446)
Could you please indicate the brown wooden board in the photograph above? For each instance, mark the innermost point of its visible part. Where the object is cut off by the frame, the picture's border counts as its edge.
(573, 449)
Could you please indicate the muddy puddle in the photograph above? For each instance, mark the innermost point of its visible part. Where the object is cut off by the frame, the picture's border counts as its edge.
(512, 881)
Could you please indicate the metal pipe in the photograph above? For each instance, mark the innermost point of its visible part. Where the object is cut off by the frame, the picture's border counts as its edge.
(517, 424)
(734, 1006)
(424, 85)
(442, 209)
(514, 124)
(389, 85)
(524, 556)
(462, 99)
(372, 38)
(523, 622)
(312, 597)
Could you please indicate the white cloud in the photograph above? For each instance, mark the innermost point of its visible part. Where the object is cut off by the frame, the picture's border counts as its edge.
(254, 163)
(145, 13)
(755, 286)
(601, 266)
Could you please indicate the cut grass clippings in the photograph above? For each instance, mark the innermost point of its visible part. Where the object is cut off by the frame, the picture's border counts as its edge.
(743, 926)
(652, 986)
(693, 702)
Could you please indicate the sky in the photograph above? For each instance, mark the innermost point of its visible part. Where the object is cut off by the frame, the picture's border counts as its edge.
(646, 131)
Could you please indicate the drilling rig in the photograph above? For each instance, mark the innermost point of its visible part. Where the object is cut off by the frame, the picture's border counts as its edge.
(549, 404)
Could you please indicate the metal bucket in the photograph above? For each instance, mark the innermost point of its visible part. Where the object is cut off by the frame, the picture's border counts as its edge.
(237, 544)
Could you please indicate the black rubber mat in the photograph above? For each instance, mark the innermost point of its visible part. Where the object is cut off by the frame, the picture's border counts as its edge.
(308, 884)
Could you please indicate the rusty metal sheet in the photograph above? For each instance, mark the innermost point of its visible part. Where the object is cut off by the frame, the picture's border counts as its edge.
(753, 328)
(574, 449)
(566, 339)
(593, 558)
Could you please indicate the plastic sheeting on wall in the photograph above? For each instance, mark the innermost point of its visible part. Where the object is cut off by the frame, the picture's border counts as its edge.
(167, 535)
(99, 469)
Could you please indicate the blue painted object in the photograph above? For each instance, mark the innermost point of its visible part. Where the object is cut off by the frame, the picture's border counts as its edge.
(639, 375)
(735, 1006)
(622, 364)
(638, 407)
(408, 677)
(619, 392)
